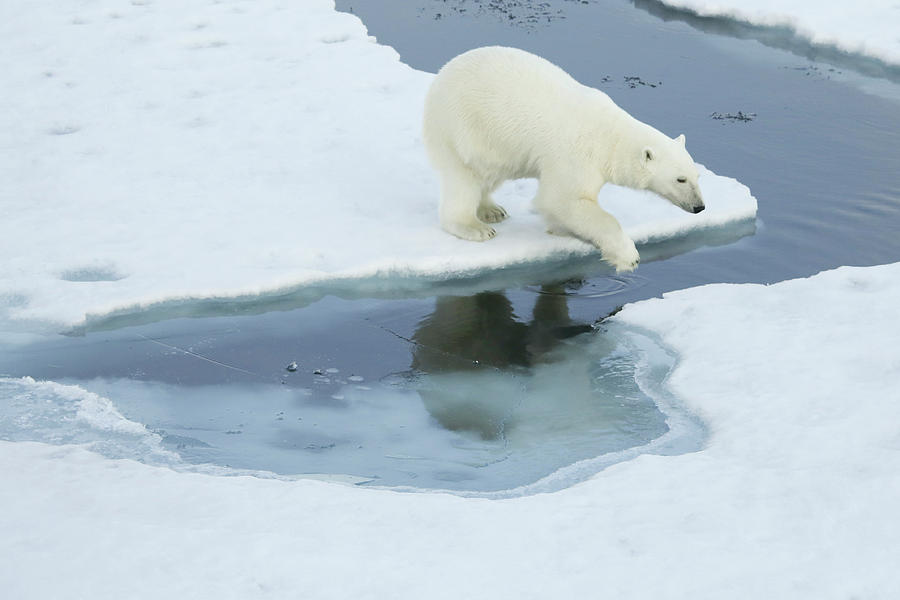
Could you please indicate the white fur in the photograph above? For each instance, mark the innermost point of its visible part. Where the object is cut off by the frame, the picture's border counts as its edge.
(496, 113)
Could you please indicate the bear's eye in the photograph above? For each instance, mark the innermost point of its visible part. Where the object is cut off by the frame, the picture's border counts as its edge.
(681, 180)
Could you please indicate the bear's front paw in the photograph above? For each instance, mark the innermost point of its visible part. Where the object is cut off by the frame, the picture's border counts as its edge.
(493, 213)
(626, 266)
(622, 255)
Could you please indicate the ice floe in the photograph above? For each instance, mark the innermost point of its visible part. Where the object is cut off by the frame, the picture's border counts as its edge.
(158, 153)
(794, 494)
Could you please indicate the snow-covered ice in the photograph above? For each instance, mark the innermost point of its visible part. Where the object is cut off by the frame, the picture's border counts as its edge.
(794, 495)
(160, 152)
(868, 28)
(155, 151)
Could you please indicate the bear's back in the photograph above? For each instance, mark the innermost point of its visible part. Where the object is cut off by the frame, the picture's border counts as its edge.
(495, 82)
(507, 108)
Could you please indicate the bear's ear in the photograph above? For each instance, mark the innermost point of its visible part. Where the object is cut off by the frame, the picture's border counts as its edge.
(647, 155)
(680, 139)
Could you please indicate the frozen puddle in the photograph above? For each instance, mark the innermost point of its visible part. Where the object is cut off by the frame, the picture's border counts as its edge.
(534, 406)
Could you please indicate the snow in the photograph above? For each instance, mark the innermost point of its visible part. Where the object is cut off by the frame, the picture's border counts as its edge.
(868, 28)
(794, 495)
(161, 152)
(157, 151)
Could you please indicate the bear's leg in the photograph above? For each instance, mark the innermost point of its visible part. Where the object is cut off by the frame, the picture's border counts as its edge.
(584, 218)
(460, 201)
(488, 211)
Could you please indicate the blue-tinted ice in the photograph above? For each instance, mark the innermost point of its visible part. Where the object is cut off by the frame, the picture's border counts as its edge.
(458, 394)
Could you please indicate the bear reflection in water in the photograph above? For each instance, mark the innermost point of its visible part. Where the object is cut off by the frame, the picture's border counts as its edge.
(479, 362)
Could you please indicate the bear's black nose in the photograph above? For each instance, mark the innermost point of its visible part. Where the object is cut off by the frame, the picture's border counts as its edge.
(698, 209)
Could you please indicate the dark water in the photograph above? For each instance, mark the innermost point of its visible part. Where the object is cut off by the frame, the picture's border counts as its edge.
(494, 383)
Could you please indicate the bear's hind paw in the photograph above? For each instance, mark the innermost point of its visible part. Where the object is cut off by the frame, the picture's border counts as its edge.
(473, 233)
(492, 214)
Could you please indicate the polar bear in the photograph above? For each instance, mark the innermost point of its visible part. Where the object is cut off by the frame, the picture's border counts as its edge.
(495, 113)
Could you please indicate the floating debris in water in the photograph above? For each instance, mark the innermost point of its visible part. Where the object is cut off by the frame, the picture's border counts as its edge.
(815, 72)
(319, 447)
(520, 13)
(739, 116)
(633, 81)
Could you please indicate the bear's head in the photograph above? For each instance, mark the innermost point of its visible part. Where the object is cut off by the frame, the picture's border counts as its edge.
(670, 172)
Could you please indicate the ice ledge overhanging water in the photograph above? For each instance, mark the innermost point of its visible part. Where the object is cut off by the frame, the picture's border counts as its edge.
(788, 28)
